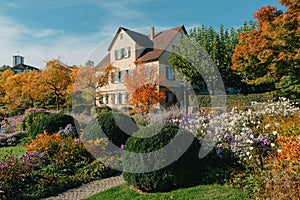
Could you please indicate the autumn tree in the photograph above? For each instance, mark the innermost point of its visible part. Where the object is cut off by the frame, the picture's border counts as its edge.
(57, 78)
(270, 55)
(4, 75)
(24, 89)
(142, 85)
(90, 80)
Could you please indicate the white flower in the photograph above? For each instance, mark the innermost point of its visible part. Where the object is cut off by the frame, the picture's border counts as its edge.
(276, 124)
(278, 150)
(272, 145)
(267, 126)
(274, 132)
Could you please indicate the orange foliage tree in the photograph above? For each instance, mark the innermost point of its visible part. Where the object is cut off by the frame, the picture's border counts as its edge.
(57, 79)
(142, 85)
(4, 75)
(270, 55)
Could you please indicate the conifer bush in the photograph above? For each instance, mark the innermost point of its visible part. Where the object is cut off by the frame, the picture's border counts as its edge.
(117, 127)
(51, 123)
(182, 172)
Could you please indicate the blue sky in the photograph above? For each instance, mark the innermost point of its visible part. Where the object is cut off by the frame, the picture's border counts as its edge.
(70, 29)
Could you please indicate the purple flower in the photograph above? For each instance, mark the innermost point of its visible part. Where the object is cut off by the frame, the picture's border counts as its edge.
(263, 142)
(122, 147)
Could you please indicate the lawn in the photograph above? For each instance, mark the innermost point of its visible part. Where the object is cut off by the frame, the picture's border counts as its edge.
(12, 150)
(198, 192)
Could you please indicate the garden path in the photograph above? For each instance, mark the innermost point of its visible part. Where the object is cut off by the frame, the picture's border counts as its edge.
(89, 189)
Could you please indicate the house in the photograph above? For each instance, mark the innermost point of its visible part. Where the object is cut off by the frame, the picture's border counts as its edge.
(19, 66)
(153, 50)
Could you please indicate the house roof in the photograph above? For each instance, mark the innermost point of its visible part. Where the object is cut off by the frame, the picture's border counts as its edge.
(154, 49)
(161, 42)
(23, 67)
(140, 39)
(104, 62)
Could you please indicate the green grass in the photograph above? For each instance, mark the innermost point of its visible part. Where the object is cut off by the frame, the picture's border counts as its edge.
(203, 192)
(12, 150)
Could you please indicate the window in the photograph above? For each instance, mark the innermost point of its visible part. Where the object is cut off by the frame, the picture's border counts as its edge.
(118, 54)
(116, 77)
(121, 36)
(126, 52)
(169, 73)
(124, 98)
(122, 53)
(117, 98)
(105, 99)
(122, 75)
(169, 97)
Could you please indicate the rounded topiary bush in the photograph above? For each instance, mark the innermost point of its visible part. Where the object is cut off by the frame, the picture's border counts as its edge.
(173, 168)
(30, 118)
(117, 127)
(51, 123)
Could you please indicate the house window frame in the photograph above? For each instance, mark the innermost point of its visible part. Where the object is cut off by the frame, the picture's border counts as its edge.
(124, 98)
(117, 98)
(170, 73)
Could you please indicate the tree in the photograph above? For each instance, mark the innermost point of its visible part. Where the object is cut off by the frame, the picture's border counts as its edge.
(24, 89)
(57, 78)
(4, 67)
(220, 44)
(142, 85)
(4, 75)
(90, 80)
(270, 55)
(195, 65)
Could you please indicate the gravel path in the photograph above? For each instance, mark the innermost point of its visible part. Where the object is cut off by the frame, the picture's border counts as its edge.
(89, 189)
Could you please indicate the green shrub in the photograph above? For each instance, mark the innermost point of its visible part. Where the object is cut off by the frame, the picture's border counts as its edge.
(234, 100)
(51, 123)
(103, 109)
(182, 172)
(29, 119)
(94, 171)
(17, 111)
(117, 127)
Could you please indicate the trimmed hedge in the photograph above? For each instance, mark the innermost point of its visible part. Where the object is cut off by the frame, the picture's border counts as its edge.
(29, 119)
(117, 127)
(234, 100)
(182, 172)
(51, 123)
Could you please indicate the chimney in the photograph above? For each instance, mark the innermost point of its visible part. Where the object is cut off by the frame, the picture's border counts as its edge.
(152, 33)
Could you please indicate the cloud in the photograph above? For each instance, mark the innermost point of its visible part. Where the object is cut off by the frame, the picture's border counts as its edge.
(41, 45)
(11, 5)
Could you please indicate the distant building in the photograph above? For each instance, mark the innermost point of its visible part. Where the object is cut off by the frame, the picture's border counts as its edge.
(19, 66)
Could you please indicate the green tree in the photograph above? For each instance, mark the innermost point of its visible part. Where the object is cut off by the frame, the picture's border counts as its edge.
(220, 46)
(4, 67)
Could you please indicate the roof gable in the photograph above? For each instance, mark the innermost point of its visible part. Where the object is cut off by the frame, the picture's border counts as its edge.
(140, 39)
(154, 49)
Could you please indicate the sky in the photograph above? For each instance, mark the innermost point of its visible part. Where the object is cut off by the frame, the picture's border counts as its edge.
(79, 30)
